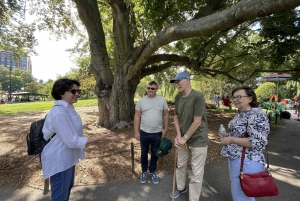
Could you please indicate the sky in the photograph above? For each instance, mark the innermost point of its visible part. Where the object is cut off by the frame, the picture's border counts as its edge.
(52, 59)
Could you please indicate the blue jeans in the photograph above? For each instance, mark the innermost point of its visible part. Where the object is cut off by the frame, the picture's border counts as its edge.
(147, 139)
(234, 171)
(61, 184)
(217, 103)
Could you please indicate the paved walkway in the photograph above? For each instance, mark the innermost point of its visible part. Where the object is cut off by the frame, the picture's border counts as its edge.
(284, 157)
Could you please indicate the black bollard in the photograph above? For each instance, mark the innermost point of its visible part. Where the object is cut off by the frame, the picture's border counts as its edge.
(132, 156)
(280, 114)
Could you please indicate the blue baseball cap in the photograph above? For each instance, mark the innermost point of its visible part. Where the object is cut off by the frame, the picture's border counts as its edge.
(180, 76)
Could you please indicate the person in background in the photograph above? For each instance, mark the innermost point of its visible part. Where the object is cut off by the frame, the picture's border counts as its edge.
(295, 98)
(226, 102)
(192, 137)
(151, 112)
(274, 98)
(298, 108)
(254, 121)
(217, 99)
(66, 148)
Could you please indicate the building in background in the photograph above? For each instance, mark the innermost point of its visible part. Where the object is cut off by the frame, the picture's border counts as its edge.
(6, 60)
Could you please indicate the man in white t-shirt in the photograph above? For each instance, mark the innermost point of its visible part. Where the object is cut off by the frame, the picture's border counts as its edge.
(151, 121)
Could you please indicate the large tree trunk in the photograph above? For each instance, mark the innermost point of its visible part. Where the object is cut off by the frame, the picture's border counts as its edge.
(115, 92)
(116, 104)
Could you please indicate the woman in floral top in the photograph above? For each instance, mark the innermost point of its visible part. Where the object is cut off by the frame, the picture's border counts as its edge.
(258, 129)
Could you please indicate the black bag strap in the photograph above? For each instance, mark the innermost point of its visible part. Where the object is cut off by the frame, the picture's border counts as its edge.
(244, 152)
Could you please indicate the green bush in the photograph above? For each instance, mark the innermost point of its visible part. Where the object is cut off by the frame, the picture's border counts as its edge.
(211, 106)
(264, 91)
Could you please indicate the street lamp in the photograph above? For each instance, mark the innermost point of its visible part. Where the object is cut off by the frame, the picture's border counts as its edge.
(10, 84)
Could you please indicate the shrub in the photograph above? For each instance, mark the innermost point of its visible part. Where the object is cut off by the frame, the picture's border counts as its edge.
(264, 91)
(211, 106)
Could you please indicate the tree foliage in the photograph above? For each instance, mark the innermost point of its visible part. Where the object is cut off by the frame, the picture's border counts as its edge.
(129, 40)
(16, 35)
(46, 87)
(280, 36)
(17, 78)
(33, 87)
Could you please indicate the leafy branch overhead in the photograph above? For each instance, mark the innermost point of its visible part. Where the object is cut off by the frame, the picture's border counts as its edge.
(212, 36)
(130, 39)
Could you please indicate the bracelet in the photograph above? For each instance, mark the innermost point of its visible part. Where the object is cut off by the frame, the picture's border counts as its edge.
(186, 137)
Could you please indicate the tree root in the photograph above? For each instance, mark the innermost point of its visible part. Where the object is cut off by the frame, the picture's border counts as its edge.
(121, 125)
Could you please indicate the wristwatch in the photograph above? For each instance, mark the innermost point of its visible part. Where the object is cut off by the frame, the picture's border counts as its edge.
(186, 137)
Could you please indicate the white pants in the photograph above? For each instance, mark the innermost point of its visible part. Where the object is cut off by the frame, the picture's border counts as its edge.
(198, 158)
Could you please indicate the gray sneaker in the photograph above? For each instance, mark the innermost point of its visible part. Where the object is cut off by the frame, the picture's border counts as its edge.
(177, 193)
(143, 177)
(154, 178)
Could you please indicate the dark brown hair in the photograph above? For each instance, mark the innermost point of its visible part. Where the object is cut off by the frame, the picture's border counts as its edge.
(153, 83)
(249, 93)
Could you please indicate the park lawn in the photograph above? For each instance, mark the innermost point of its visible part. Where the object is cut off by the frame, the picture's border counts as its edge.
(23, 107)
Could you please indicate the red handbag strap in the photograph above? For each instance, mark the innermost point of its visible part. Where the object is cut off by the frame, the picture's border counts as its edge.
(244, 152)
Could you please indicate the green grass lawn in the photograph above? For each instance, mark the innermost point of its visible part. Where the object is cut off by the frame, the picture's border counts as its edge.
(22, 107)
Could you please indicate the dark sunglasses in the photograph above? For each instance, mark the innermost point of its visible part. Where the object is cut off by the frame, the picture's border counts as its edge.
(151, 88)
(73, 91)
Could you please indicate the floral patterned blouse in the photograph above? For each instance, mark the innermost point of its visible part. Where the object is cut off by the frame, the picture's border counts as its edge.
(258, 130)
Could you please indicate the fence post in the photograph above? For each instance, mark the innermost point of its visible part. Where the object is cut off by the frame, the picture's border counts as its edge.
(280, 114)
(132, 156)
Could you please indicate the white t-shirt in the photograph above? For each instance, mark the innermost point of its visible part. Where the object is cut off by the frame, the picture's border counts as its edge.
(151, 113)
(67, 146)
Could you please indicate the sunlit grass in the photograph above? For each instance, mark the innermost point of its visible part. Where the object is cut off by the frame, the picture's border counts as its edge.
(23, 107)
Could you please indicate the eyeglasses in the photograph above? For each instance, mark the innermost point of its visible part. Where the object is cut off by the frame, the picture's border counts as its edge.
(73, 91)
(177, 81)
(151, 88)
(238, 97)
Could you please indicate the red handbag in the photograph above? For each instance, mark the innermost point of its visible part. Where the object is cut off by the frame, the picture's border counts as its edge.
(259, 184)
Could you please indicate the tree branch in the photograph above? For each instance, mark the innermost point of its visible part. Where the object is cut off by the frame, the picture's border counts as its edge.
(236, 14)
(90, 16)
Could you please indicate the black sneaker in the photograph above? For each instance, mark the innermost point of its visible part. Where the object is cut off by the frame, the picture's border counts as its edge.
(177, 193)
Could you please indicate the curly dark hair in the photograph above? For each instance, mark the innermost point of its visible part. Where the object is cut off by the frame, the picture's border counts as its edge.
(61, 86)
(249, 93)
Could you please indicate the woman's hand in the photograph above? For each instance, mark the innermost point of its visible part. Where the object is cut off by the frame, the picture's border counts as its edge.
(102, 137)
(224, 139)
(221, 135)
(108, 136)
